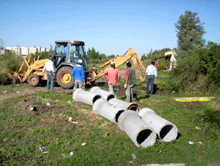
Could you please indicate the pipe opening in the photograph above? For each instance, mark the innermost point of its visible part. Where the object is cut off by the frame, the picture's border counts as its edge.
(165, 130)
(110, 97)
(117, 115)
(133, 107)
(96, 98)
(143, 135)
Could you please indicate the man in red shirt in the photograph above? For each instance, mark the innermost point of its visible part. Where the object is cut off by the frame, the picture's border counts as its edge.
(113, 76)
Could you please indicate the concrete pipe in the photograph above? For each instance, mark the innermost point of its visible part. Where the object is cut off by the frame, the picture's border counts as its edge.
(85, 97)
(138, 131)
(105, 109)
(124, 105)
(105, 94)
(165, 130)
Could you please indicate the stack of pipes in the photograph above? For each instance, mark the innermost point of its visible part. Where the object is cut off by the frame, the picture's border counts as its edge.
(142, 126)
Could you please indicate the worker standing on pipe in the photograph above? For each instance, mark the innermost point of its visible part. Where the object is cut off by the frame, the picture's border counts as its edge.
(151, 74)
(78, 75)
(113, 76)
(129, 82)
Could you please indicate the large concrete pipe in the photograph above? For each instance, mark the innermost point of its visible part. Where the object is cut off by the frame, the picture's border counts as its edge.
(124, 105)
(139, 132)
(105, 94)
(165, 130)
(85, 97)
(105, 109)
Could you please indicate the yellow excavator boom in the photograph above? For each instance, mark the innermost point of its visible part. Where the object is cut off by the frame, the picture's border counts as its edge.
(119, 60)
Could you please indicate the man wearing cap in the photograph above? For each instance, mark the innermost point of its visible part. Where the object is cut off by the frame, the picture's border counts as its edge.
(113, 76)
(78, 75)
(49, 67)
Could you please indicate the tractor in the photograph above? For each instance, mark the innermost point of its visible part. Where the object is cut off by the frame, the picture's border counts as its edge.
(65, 56)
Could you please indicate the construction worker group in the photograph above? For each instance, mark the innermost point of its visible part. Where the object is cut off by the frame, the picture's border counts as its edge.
(112, 76)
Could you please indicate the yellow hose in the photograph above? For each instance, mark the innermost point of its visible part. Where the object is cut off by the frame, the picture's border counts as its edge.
(192, 99)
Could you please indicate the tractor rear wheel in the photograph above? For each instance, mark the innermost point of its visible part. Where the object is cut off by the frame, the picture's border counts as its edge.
(64, 78)
(33, 79)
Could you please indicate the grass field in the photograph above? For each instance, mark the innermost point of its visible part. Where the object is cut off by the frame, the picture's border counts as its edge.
(92, 140)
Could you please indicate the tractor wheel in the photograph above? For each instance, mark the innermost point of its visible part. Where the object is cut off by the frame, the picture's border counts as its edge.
(64, 78)
(33, 79)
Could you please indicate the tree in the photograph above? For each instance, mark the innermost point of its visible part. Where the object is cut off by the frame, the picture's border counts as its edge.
(102, 56)
(1, 44)
(143, 57)
(189, 32)
(92, 54)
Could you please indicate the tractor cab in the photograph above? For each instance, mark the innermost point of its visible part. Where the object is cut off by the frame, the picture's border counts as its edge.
(68, 53)
(65, 56)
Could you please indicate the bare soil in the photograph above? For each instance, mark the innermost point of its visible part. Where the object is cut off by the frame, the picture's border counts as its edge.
(20, 92)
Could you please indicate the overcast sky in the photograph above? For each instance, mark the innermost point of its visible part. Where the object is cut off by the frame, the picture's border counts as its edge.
(111, 27)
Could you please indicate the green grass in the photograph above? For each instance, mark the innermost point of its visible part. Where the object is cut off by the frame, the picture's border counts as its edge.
(23, 131)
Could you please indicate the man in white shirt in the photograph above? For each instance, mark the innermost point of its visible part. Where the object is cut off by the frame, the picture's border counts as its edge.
(49, 67)
(151, 74)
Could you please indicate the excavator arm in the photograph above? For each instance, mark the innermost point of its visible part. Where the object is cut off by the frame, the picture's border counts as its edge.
(120, 60)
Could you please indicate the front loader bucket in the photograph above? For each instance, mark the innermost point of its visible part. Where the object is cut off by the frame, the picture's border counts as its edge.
(14, 79)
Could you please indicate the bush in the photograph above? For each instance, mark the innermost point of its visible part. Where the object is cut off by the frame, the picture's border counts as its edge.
(9, 63)
(199, 71)
(162, 66)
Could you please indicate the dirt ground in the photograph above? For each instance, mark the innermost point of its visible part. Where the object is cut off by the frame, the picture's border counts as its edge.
(30, 90)
(120, 92)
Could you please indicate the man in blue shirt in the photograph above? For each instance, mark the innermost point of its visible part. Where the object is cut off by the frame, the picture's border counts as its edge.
(78, 75)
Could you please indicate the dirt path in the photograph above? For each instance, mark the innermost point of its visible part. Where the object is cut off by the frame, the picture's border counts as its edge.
(5, 94)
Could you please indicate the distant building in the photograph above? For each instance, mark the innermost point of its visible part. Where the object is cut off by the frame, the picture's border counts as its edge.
(24, 51)
(32, 50)
(17, 50)
(2, 52)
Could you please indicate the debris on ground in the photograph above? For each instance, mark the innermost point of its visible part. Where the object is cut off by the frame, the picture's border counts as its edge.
(43, 149)
(133, 156)
(70, 119)
(106, 135)
(83, 144)
(190, 142)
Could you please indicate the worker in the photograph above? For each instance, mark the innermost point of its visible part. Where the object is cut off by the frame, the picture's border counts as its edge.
(78, 75)
(64, 50)
(151, 74)
(113, 77)
(129, 82)
(49, 68)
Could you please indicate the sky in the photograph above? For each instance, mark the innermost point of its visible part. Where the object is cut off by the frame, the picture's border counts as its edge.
(110, 27)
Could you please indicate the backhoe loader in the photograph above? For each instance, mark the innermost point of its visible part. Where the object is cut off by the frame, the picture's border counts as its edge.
(66, 54)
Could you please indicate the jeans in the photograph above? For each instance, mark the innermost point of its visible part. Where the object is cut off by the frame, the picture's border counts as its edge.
(129, 93)
(150, 81)
(78, 84)
(50, 80)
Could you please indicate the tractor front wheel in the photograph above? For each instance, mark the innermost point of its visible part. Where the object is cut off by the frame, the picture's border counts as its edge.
(64, 78)
(33, 79)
